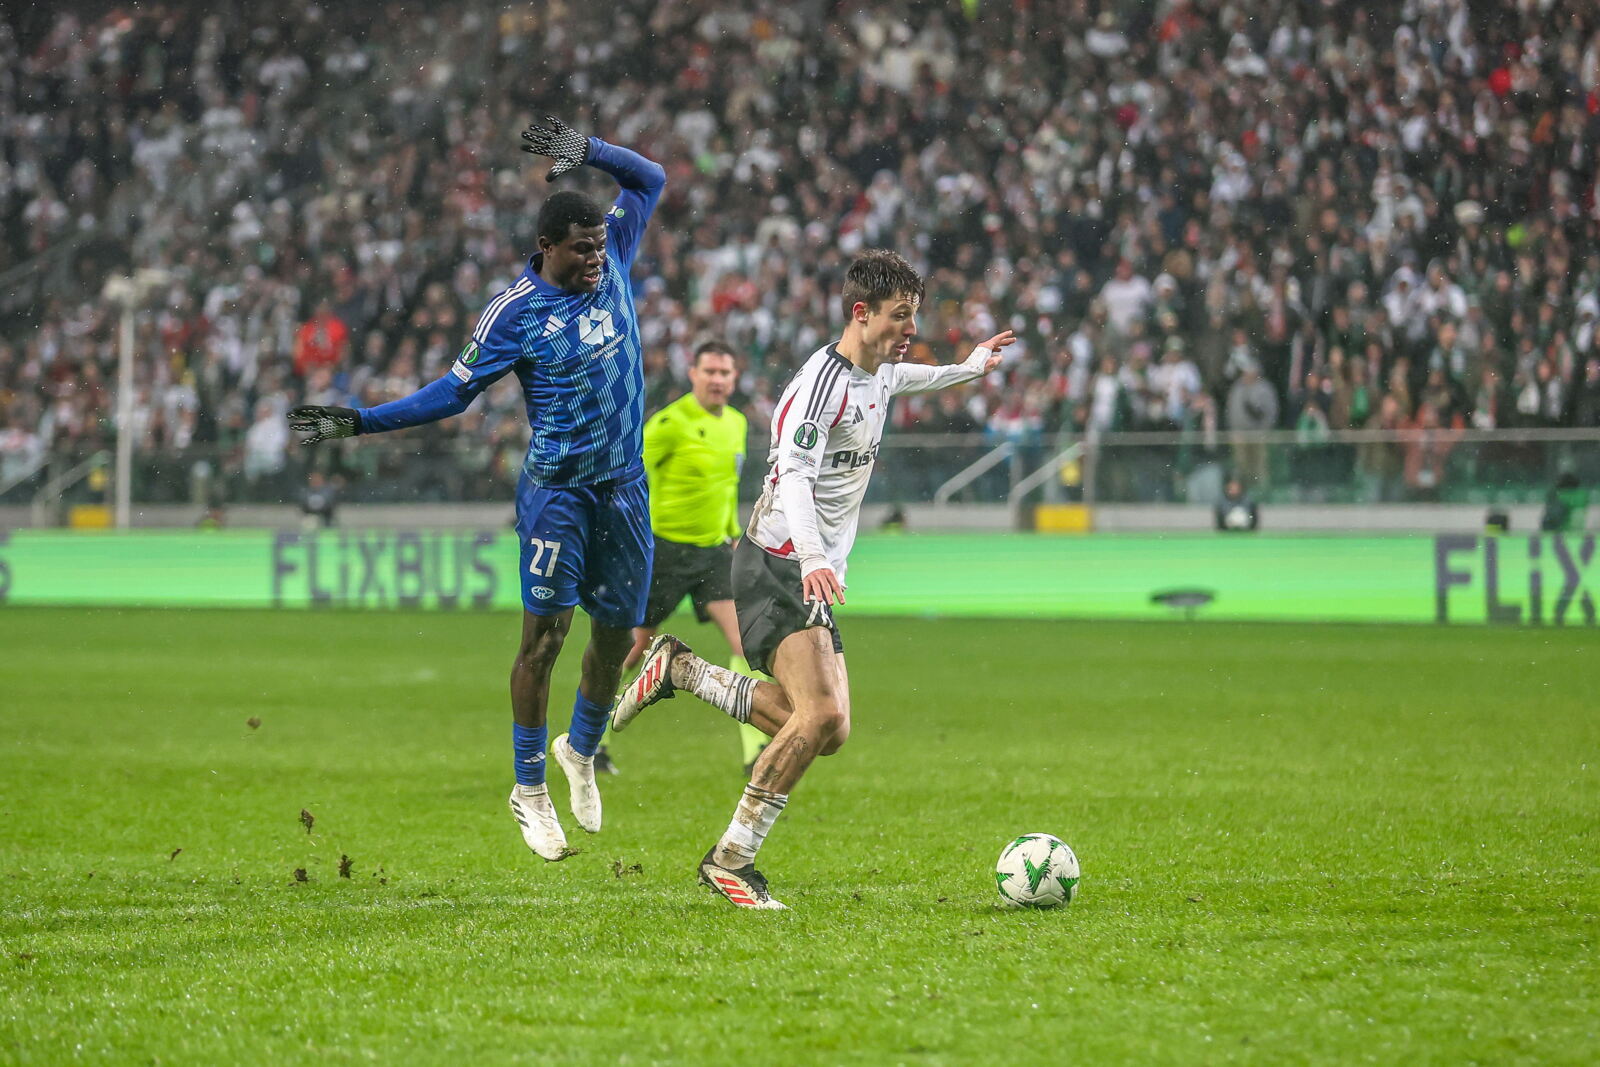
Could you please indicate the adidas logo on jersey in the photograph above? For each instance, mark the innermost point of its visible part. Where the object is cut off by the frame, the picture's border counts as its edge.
(553, 326)
(596, 327)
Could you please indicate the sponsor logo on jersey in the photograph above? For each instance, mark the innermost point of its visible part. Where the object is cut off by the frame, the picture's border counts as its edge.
(805, 435)
(541, 592)
(595, 326)
(852, 460)
(461, 370)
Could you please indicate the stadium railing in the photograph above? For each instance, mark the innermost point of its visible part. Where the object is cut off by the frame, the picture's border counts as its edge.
(1348, 467)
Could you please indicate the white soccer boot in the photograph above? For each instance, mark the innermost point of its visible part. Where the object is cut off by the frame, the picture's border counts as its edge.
(653, 683)
(743, 887)
(580, 779)
(537, 817)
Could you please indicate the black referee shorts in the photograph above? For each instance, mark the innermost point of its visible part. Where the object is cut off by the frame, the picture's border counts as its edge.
(692, 571)
(771, 606)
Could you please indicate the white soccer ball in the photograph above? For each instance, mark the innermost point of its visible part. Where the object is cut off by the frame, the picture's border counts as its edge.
(1037, 871)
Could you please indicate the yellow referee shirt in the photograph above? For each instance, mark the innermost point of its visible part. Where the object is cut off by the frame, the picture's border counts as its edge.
(692, 459)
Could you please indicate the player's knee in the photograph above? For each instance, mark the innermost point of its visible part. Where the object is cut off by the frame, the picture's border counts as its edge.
(541, 645)
(836, 740)
(832, 724)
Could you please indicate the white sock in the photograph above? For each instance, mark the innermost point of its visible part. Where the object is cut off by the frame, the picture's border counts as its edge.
(528, 792)
(720, 687)
(757, 811)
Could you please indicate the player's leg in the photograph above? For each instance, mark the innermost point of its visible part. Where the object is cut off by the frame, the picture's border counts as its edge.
(812, 676)
(669, 666)
(751, 738)
(642, 635)
(614, 590)
(641, 641)
(578, 751)
(670, 581)
(767, 611)
(550, 562)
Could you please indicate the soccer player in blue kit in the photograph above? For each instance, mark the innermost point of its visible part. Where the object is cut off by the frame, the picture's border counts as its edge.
(567, 328)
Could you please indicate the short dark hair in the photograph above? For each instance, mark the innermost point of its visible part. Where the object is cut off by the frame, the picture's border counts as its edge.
(711, 347)
(566, 209)
(877, 275)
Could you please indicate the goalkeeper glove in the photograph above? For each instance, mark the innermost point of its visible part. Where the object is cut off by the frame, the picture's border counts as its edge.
(324, 424)
(558, 141)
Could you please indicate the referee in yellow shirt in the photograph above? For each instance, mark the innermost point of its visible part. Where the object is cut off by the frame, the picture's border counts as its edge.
(693, 451)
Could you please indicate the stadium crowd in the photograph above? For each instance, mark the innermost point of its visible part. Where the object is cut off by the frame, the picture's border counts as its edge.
(1198, 215)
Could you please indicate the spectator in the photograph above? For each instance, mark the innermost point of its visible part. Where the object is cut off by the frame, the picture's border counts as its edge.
(1127, 296)
(318, 501)
(266, 444)
(1295, 182)
(1177, 382)
(1252, 408)
(1427, 449)
(1564, 505)
(322, 341)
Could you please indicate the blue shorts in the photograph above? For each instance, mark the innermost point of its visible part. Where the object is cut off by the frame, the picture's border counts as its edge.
(590, 545)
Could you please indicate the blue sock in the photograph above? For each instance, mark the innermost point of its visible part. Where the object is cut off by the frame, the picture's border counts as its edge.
(527, 744)
(588, 724)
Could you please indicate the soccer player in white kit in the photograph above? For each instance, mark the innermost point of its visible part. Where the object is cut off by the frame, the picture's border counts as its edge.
(788, 569)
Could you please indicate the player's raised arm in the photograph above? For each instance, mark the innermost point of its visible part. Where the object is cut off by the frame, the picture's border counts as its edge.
(917, 378)
(490, 353)
(641, 179)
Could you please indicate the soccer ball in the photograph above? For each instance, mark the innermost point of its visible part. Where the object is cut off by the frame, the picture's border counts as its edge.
(1037, 871)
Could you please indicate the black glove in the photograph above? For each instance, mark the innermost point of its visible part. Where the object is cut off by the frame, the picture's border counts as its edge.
(324, 424)
(558, 141)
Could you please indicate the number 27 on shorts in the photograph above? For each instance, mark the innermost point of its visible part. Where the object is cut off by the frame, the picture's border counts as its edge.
(540, 547)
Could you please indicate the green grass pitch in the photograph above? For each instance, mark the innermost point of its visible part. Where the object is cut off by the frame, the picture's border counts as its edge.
(1299, 844)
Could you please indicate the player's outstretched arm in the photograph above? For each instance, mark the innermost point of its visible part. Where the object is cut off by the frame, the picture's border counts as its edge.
(916, 378)
(437, 400)
(488, 356)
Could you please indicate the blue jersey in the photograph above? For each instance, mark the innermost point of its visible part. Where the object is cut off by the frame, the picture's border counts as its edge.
(576, 355)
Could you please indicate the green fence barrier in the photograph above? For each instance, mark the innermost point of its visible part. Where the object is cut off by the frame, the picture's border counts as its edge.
(1449, 578)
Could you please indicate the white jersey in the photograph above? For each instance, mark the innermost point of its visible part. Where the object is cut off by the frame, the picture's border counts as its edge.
(825, 439)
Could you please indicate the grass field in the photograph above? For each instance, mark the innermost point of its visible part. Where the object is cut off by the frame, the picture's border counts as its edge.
(1299, 844)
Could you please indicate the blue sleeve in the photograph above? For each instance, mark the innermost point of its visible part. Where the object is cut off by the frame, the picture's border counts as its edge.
(437, 400)
(494, 349)
(642, 181)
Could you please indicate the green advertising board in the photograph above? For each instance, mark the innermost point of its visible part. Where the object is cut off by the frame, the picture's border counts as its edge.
(1542, 579)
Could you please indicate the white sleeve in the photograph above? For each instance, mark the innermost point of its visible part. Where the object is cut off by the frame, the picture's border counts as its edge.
(918, 378)
(801, 447)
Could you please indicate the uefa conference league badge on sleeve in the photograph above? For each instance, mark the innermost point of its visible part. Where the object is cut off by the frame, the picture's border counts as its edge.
(462, 367)
(805, 436)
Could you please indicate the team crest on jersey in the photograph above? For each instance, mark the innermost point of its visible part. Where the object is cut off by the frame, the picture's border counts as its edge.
(595, 326)
(805, 435)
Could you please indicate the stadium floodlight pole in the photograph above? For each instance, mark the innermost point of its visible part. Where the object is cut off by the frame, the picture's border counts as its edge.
(129, 293)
